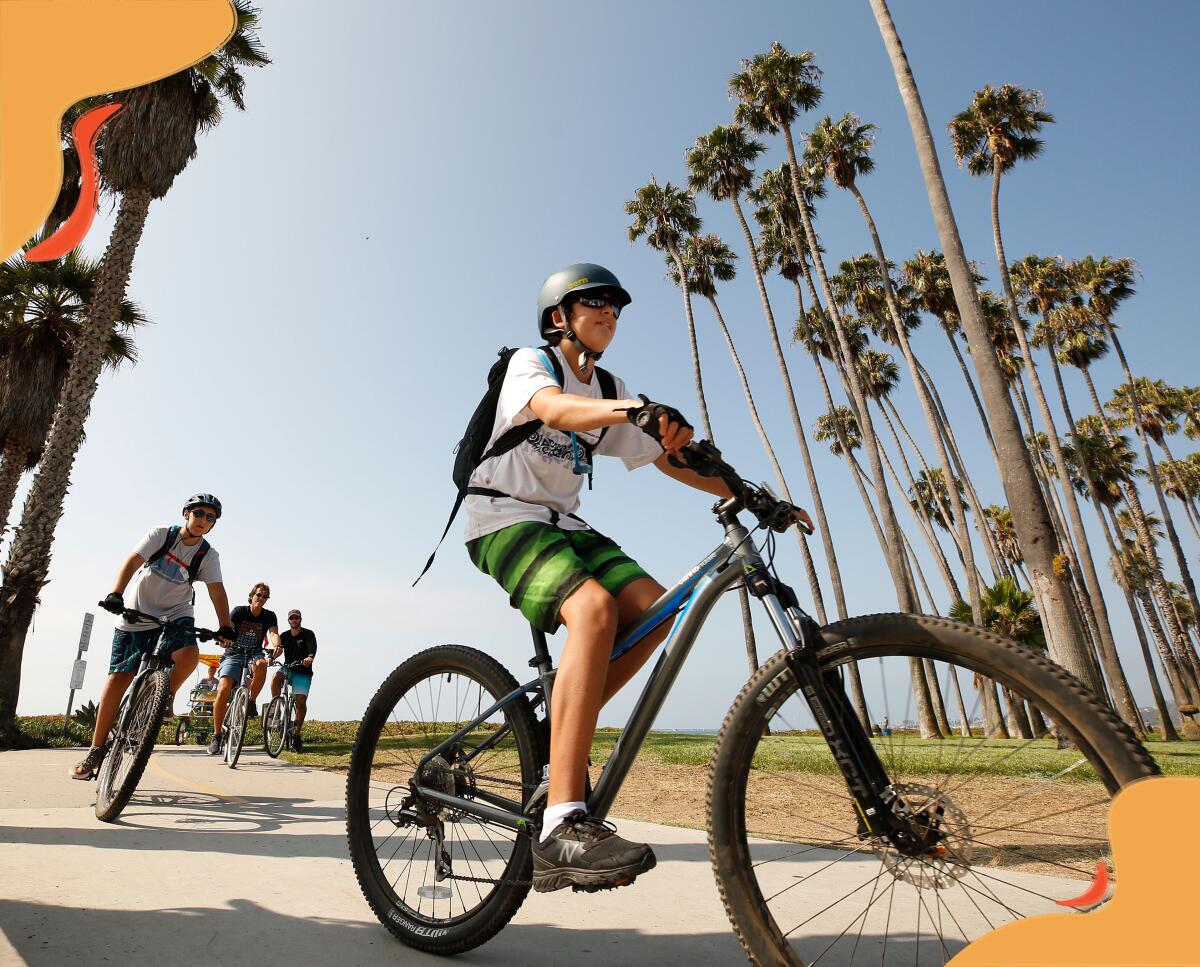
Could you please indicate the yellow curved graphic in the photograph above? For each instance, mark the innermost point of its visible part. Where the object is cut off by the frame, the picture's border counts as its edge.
(1151, 919)
(56, 52)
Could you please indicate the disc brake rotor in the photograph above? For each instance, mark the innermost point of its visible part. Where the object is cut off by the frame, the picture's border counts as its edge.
(945, 862)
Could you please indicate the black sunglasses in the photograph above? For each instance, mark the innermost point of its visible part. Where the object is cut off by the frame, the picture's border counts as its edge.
(600, 301)
(204, 515)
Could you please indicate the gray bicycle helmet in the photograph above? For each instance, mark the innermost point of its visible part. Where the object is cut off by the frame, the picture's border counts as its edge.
(576, 278)
(203, 500)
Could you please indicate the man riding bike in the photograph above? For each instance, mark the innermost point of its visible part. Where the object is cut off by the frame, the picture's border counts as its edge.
(251, 625)
(298, 645)
(523, 531)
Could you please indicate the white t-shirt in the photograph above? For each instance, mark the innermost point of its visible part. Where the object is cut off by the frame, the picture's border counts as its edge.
(538, 474)
(162, 589)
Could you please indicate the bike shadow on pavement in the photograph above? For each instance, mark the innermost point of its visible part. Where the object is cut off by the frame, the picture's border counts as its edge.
(245, 934)
(198, 822)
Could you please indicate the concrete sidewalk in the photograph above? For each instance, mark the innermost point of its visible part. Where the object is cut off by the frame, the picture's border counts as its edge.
(249, 866)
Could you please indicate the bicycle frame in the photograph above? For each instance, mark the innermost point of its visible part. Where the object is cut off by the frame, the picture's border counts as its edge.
(689, 604)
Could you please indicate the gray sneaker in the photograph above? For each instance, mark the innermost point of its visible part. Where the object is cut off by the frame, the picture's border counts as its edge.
(586, 853)
(90, 764)
(214, 747)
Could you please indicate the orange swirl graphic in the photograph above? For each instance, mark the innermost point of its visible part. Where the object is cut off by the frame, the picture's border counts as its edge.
(71, 232)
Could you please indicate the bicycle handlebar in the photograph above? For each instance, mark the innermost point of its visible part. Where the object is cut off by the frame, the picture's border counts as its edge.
(290, 664)
(778, 515)
(132, 614)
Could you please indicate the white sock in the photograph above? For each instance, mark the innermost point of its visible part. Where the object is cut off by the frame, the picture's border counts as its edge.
(556, 814)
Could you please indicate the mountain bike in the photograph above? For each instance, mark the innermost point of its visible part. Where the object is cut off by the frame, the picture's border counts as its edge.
(280, 716)
(239, 705)
(138, 722)
(822, 836)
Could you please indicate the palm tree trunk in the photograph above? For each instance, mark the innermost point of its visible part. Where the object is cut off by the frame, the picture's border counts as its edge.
(743, 597)
(918, 511)
(857, 697)
(995, 558)
(935, 694)
(797, 425)
(957, 510)
(13, 459)
(962, 364)
(964, 728)
(893, 551)
(1122, 694)
(28, 561)
(1030, 515)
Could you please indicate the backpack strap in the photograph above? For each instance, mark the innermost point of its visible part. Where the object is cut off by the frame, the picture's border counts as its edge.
(197, 560)
(167, 544)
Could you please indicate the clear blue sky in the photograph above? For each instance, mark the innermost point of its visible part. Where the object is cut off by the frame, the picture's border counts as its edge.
(331, 276)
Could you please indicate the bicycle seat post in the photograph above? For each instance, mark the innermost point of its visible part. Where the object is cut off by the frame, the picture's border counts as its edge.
(542, 662)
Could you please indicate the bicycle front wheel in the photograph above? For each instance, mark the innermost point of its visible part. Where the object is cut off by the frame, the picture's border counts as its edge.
(439, 879)
(1018, 784)
(236, 726)
(131, 743)
(275, 726)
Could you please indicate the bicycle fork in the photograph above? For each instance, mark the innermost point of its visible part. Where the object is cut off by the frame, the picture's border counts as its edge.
(866, 777)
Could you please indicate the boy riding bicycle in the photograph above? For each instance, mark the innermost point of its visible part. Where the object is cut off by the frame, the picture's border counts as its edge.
(523, 531)
(168, 561)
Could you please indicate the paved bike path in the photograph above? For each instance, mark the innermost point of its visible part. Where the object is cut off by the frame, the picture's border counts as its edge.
(249, 867)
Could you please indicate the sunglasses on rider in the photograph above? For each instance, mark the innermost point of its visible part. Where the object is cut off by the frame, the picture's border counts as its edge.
(204, 515)
(599, 302)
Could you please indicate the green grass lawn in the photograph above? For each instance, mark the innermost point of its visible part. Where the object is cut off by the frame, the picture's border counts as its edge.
(328, 746)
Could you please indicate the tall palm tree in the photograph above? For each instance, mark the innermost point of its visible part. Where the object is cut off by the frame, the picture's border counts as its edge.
(721, 164)
(1150, 407)
(145, 147)
(772, 90)
(927, 278)
(1059, 613)
(1043, 283)
(665, 216)
(988, 140)
(42, 307)
(842, 150)
(1082, 348)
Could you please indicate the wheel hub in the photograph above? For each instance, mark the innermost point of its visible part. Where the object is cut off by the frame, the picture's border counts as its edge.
(940, 823)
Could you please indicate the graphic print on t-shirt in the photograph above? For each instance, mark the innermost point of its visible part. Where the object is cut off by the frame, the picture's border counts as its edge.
(249, 628)
(171, 568)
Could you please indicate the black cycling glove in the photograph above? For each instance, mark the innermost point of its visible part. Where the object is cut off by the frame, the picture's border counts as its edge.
(113, 602)
(226, 632)
(645, 417)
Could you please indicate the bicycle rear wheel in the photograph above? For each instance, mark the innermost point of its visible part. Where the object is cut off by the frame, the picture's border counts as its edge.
(275, 726)
(1024, 816)
(422, 703)
(131, 744)
(236, 726)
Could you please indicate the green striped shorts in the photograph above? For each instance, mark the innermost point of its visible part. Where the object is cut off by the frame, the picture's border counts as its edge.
(539, 566)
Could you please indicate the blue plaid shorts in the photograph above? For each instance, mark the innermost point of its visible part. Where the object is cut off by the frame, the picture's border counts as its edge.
(128, 647)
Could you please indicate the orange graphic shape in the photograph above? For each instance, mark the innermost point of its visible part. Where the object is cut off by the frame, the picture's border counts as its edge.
(54, 53)
(71, 232)
(1094, 894)
(1149, 922)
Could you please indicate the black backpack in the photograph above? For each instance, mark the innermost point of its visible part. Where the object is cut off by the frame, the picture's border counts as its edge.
(472, 449)
(193, 567)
